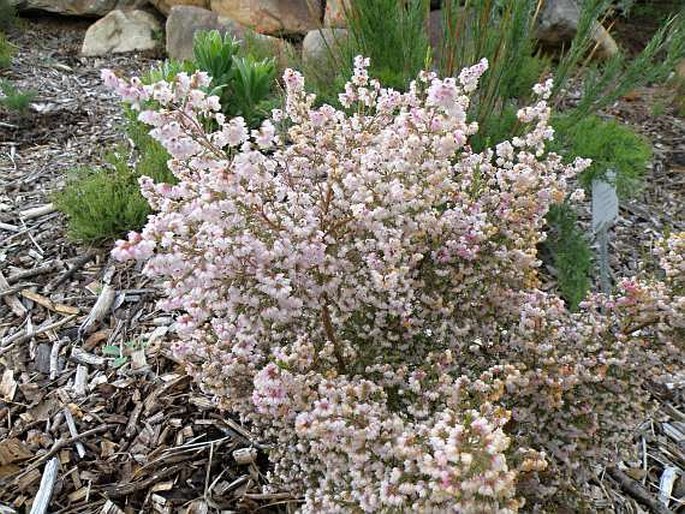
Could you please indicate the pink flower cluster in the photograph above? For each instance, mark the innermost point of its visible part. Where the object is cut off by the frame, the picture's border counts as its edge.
(362, 287)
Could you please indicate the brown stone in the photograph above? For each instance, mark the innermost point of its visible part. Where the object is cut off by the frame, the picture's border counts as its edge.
(272, 16)
(165, 6)
(334, 15)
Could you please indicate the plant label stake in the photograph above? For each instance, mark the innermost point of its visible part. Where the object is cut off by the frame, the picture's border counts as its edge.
(604, 213)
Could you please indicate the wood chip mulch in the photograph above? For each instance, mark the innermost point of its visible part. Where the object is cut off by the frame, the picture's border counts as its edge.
(91, 403)
(95, 416)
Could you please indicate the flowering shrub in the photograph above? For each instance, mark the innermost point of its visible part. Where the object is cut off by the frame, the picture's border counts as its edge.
(362, 288)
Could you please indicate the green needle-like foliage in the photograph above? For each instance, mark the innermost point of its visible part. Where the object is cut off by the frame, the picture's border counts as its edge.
(392, 34)
(8, 15)
(610, 145)
(15, 99)
(570, 254)
(103, 203)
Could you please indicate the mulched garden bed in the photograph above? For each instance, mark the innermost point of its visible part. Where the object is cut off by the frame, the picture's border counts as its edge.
(131, 432)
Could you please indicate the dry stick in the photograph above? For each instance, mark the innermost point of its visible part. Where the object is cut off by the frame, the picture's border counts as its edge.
(54, 359)
(18, 288)
(82, 357)
(25, 335)
(74, 433)
(99, 310)
(39, 270)
(36, 212)
(127, 489)
(47, 483)
(78, 264)
(11, 300)
(60, 444)
(637, 491)
(81, 380)
(9, 228)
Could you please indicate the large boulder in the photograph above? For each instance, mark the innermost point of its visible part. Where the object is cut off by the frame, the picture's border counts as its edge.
(184, 21)
(122, 31)
(558, 23)
(77, 7)
(334, 15)
(272, 16)
(165, 6)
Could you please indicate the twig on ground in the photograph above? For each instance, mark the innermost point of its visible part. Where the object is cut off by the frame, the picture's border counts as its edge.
(77, 265)
(637, 491)
(47, 484)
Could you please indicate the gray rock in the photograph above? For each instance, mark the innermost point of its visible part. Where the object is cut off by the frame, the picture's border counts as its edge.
(122, 31)
(317, 43)
(77, 7)
(184, 21)
(558, 23)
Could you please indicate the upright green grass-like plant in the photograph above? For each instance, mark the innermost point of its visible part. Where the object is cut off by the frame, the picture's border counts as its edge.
(6, 51)
(392, 33)
(501, 31)
(8, 15)
(606, 83)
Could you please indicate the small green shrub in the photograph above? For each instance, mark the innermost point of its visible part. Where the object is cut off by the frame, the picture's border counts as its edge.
(151, 157)
(658, 108)
(167, 70)
(610, 145)
(6, 51)
(251, 87)
(568, 254)
(243, 74)
(244, 83)
(214, 54)
(103, 203)
(14, 99)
